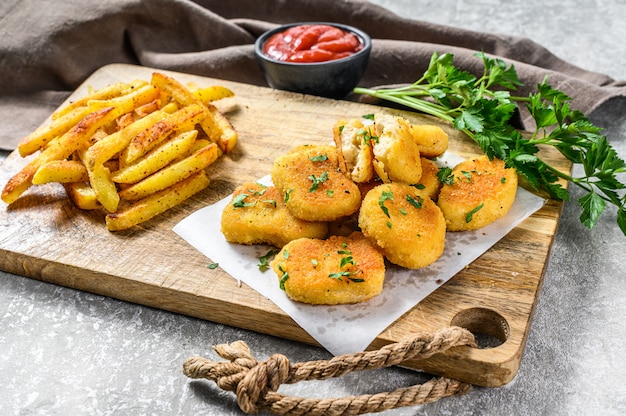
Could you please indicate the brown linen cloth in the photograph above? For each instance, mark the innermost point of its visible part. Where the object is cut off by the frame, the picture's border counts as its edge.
(48, 48)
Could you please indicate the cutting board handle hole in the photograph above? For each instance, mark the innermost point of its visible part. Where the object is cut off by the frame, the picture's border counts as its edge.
(490, 329)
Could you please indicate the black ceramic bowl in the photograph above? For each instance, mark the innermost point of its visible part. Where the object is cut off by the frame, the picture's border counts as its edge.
(333, 79)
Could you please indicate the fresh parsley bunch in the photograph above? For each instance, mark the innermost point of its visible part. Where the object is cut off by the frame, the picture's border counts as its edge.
(483, 108)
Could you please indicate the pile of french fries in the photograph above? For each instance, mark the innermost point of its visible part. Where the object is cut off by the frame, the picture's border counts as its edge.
(134, 149)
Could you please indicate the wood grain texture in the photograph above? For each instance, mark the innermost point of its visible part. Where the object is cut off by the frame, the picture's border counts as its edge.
(43, 236)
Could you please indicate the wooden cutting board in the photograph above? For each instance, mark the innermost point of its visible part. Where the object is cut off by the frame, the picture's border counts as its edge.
(43, 236)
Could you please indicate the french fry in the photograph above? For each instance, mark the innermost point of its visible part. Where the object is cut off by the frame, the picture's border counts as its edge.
(60, 148)
(62, 171)
(129, 149)
(128, 102)
(82, 195)
(116, 142)
(108, 147)
(171, 174)
(227, 137)
(104, 188)
(44, 134)
(156, 159)
(212, 93)
(197, 145)
(215, 125)
(184, 119)
(155, 204)
(105, 93)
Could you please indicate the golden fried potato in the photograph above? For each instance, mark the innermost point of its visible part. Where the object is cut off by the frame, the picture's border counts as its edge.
(47, 132)
(82, 195)
(429, 184)
(156, 159)
(62, 171)
(354, 150)
(481, 192)
(155, 204)
(257, 214)
(396, 155)
(171, 174)
(409, 229)
(314, 188)
(431, 140)
(180, 121)
(215, 124)
(339, 270)
(143, 132)
(60, 148)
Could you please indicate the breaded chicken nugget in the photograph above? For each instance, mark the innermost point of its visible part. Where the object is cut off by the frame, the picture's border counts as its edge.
(396, 155)
(409, 229)
(481, 191)
(354, 150)
(429, 184)
(257, 214)
(431, 140)
(313, 186)
(339, 270)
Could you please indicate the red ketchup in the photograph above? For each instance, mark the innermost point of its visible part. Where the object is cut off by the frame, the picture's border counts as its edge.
(312, 43)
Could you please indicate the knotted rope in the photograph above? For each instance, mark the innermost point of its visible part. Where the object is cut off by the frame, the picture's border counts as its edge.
(256, 383)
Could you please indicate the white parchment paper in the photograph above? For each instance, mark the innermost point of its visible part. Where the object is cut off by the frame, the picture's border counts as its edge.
(347, 329)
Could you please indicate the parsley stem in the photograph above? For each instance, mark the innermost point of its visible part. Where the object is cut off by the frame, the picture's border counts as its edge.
(483, 112)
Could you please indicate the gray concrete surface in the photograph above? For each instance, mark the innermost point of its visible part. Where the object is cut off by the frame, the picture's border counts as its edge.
(64, 352)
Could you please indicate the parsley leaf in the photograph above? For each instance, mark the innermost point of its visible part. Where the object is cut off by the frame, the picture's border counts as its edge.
(483, 106)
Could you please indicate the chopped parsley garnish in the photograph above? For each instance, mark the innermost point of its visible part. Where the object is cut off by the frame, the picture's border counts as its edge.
(264, 261)
(288, 195)
(445, 176)
(417, 203)
(367, 136)
(238, 201)
(469, 216)
(283, 278)
(319, 158)
(213, 266)
(317, 181)
(385, 196)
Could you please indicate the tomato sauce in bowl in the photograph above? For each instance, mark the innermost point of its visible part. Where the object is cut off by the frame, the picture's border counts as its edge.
(312, 43)
(318, 58)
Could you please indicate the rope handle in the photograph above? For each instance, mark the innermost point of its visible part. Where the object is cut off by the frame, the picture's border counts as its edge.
(256, 383)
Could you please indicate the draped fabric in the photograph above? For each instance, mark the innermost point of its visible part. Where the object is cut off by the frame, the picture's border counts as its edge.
(48, 48)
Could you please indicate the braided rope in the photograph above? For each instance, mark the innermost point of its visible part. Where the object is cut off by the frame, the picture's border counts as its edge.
(255, 383)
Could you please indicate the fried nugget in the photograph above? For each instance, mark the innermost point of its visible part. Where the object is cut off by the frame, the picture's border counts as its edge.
(313, 186)
(396, 155)
(409, 228)
(431, 140)
(354, 150)
(481, 192)
(338, 270)
(257, 214)
(429, 184)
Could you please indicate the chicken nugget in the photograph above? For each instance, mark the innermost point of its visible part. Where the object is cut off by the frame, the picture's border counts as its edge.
(396, 155)
(354, 150)
(480, 192)
(409, 228)
(429, 184)
(257, 214)
(338, 270)
(314, 189)
(431, 140)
